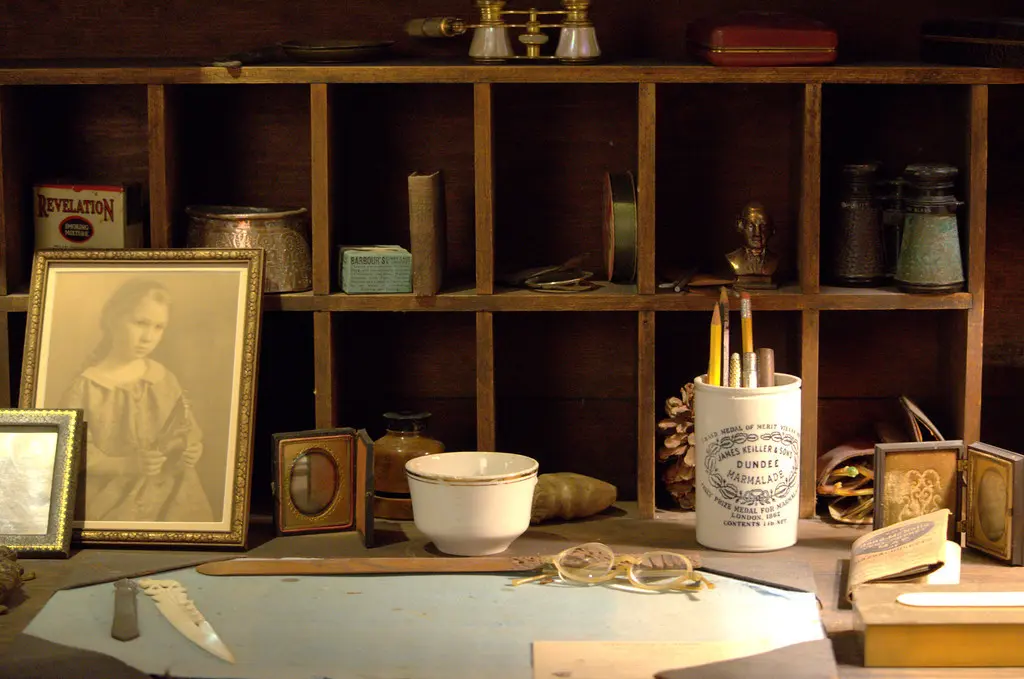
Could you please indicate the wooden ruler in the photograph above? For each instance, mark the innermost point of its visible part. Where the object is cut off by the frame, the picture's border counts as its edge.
(366, 565)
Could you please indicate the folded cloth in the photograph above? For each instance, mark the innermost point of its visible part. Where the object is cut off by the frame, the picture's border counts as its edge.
(33, 657)
(806, 660)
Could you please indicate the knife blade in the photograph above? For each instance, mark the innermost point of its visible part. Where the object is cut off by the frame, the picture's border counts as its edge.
(962, 599)
(172, 601)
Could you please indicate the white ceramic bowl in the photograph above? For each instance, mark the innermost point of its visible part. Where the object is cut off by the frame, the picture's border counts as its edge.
(472, 503)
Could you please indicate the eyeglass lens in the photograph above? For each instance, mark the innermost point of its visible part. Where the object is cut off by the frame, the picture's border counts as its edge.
(590, 562)
(662, 569)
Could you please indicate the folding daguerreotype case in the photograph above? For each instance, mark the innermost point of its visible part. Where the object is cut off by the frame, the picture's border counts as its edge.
(982, 485)
(323, 481)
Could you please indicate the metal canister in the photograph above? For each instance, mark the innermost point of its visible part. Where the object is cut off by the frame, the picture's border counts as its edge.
(283, 233)
(858, 255)
(930, 256)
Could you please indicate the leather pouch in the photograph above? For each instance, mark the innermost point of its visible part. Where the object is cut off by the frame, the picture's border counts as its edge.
(762, 39)
(846, 473)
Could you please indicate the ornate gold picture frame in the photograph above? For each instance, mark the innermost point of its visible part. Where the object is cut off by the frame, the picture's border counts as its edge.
(159, 349)
(39, 461)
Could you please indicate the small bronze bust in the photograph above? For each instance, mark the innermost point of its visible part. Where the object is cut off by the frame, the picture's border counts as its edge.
(754, 264)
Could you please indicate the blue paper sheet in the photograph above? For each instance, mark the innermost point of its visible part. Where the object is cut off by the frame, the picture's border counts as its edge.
(412, 626)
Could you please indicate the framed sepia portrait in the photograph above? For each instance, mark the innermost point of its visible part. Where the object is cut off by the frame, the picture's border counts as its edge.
(159, 350)
(40, 452)
(917, 478)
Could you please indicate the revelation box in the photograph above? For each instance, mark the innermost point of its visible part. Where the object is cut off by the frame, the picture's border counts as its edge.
(107, 216)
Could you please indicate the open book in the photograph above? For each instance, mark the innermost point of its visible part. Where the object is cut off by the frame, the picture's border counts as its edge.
(909, 551)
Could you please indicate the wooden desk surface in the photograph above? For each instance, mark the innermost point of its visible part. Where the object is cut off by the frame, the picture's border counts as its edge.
(823, 546)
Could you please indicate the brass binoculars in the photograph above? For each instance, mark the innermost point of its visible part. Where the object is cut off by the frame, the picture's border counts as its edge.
(577, 41)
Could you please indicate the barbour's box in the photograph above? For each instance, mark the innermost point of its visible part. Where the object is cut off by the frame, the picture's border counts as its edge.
(374, 269)
(88, 216)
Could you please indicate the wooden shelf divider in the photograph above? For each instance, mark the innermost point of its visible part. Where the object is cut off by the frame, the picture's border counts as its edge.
(809, 357)
(809, 239)
(324, 336)
(486, 432)
(646, 478)
(645, 233)
(12, 220)
(163, 164)
(5, 364)
(483, 164)
(325, 380)
(321, 154)
(969, 333)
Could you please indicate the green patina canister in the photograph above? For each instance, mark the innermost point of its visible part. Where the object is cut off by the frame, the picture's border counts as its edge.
(930, 259)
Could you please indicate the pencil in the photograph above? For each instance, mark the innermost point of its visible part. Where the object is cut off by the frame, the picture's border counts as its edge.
(715, 359)
(723, 304)
(747, 323)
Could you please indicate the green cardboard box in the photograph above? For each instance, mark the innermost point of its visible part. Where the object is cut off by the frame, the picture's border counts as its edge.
(374, 269)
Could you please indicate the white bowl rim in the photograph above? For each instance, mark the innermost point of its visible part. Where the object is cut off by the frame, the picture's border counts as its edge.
(412, 471)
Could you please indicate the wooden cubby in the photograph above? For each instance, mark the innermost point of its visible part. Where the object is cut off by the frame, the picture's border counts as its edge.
(393, 362)
(566, 395)
(718, 148)
(553, 142)
(240, 146)
(384, 133)
(577, 380)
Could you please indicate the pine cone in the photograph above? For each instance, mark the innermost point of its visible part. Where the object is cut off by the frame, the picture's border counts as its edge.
(683, 493)
(679, 447)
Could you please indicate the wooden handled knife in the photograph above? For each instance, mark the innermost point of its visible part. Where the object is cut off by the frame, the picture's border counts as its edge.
(125, 626)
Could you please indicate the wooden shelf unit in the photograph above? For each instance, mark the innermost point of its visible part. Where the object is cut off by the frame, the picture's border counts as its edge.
(203, 139)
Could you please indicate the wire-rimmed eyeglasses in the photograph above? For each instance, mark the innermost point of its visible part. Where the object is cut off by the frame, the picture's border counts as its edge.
(595, 563)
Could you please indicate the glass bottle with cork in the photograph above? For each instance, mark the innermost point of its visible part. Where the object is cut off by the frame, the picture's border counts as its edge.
(405, 439)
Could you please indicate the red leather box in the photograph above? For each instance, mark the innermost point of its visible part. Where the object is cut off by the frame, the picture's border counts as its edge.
(762, 39)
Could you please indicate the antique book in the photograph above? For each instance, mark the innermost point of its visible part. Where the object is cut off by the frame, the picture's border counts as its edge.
(913, 550)
(427, 222)
(941, 625)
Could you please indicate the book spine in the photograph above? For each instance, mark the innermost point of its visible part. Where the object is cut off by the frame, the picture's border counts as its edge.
(427, 221)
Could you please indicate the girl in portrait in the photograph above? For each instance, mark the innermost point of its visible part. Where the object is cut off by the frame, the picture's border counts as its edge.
(142, 440)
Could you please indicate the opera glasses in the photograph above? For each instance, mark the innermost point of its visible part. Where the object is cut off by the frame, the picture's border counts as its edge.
(577, 41)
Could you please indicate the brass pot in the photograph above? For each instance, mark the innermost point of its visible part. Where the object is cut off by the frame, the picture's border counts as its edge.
(283, 233)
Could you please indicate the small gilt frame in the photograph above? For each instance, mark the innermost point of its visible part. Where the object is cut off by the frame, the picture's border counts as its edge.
(36, 508)
(916, 478)
(159, 348)
(337, 492)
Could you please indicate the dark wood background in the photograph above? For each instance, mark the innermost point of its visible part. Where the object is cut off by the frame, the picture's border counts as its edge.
(566, 383)
(868, 29)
